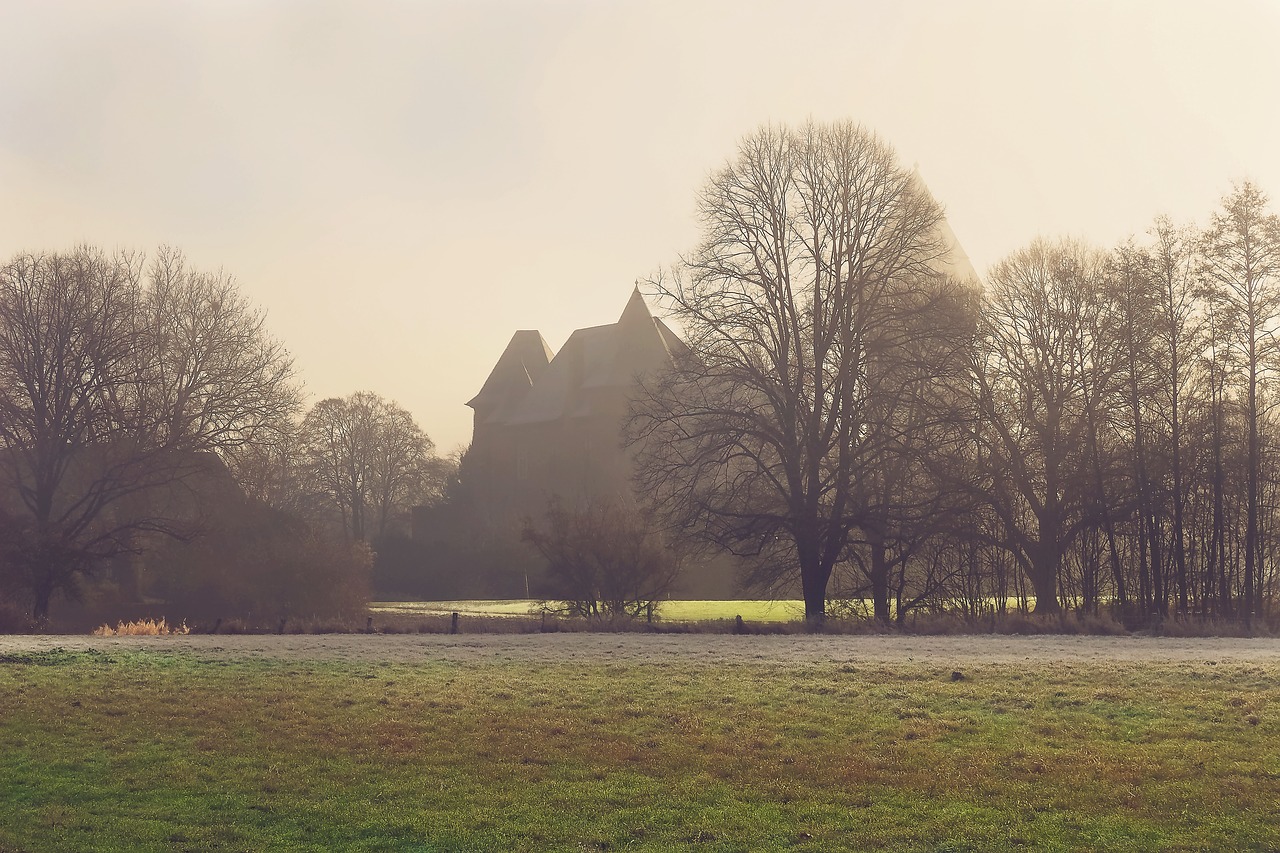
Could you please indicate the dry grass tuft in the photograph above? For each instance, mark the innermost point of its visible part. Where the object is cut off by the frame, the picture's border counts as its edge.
(141, 628)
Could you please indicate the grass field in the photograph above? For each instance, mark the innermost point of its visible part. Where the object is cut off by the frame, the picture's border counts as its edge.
(675, 611)
(129, 746)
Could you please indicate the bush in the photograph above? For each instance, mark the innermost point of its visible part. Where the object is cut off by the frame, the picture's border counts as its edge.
(268, 567)
(603, 559)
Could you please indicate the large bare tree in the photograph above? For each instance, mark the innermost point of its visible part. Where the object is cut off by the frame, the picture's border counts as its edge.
(813, 239)
(116, 392)
(902, 478)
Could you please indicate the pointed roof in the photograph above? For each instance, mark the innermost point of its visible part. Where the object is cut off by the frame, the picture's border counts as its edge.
(522, 362)
(639, 346)
(556, 392)
(636, 312)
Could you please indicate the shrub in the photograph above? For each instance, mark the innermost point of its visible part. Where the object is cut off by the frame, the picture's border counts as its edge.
(268, 568)
(603, 560)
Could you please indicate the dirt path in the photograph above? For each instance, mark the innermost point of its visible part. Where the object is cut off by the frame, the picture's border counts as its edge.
(657, 649)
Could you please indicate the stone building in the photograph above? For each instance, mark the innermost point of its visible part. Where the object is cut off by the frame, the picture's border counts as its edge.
(550, 423)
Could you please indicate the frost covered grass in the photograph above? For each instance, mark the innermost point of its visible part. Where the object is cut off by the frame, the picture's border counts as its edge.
(138, 747)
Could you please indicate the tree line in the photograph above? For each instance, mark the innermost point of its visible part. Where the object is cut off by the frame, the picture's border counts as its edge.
(150, 424)
(855, 418)
(1086, 428)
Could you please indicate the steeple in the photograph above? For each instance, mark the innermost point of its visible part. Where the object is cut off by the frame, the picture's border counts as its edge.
(641, 346)
(637, 312)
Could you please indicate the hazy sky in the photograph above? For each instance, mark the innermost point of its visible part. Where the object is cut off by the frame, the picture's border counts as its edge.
(401, 185)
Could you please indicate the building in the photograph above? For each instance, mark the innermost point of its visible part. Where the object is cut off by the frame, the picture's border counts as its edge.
(551, 424)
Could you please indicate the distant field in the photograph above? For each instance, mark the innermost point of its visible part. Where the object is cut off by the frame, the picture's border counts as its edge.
(638, 742)
(675, 611)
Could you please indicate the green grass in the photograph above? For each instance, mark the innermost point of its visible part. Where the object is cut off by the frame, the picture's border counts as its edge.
(674, 611)
(751, 610)
(157, 751)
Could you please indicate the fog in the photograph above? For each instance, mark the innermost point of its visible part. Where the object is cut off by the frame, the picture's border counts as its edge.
(403, 185)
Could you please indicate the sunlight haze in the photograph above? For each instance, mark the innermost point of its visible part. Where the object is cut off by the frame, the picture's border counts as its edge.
(401, 186)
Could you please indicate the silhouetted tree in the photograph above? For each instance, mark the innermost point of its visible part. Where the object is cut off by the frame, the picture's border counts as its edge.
(115, 394)
(916, 372)
(1242, 255)
(1038, 375)
(812, 239)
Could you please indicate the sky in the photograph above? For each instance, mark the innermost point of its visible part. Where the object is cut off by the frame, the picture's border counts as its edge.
(402, 185)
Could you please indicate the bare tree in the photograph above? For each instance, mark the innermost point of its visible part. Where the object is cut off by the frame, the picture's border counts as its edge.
(916, 372)
(1242, 254)
(811, 238)
(368, 460)
(1161, 337)
(267, 468)
(1041, 372)
(96, 446)
(221, 381)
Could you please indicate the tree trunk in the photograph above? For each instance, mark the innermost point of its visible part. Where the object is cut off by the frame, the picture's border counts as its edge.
(1218, 538)
(813, 582)
(1179, 498)
(1159, 589)
(1043, 574)
(1251, 511)
(40, 607)
(1100, 491)
(879, 581)
(1179, 543)
(815, 600)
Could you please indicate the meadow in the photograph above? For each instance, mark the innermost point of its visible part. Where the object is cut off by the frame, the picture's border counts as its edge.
(752, 610)
(638, 742)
